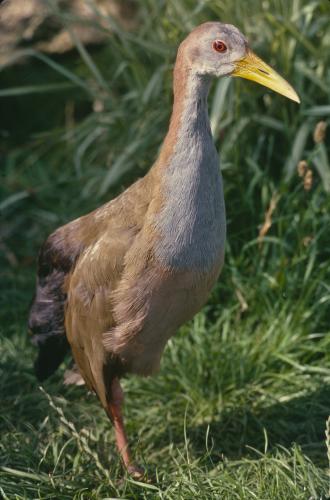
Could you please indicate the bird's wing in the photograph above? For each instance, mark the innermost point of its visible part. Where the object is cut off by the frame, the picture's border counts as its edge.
(98, 244)
(57, 258)
(92, 248)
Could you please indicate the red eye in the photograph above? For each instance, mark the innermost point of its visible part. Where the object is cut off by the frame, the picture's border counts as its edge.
(219, 46)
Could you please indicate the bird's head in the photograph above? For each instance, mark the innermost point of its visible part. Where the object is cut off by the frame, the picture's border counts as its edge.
(218, 49)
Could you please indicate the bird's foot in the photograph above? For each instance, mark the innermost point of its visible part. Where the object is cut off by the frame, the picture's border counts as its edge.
(115, 413)
(136, 472)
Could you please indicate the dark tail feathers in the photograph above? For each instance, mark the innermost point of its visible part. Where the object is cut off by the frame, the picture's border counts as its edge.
(46, 323)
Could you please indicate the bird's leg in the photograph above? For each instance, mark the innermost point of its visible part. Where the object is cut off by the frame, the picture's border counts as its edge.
(115, 413)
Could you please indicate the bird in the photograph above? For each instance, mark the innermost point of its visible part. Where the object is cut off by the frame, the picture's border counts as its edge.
(114, 285)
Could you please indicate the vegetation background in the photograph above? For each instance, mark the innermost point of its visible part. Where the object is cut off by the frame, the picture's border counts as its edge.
(240, 406)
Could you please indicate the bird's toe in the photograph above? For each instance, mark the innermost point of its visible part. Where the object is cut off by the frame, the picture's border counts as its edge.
(136, 472)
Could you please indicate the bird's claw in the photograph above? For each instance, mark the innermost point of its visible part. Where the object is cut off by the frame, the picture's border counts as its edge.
(136, 472)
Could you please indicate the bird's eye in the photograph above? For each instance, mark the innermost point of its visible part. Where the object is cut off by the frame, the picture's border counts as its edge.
(219, 46)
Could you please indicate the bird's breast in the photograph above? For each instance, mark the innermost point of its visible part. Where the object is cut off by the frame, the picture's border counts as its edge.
(191, 224)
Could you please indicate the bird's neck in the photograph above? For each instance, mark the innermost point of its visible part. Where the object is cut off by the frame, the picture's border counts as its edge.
(190, 112)
(190, 224)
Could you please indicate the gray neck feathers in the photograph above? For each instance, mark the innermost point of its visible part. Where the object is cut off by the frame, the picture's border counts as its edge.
(191, 223)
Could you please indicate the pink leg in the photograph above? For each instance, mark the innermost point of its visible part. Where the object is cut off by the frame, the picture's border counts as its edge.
(115, 413)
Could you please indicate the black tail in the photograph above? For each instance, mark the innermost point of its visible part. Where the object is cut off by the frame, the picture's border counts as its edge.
(57, 258)
(46, 323)
(50, 356)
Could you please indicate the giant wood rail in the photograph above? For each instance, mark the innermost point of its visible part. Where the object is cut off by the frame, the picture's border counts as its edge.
(115, 284)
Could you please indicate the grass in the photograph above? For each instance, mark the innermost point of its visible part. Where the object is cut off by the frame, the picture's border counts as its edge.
(240, 407)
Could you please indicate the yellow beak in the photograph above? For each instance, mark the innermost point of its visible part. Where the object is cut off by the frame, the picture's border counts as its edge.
(253, 68)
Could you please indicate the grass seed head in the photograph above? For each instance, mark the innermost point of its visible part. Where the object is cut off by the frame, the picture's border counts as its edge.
(302, 168)
(308, 180)
(319, 132)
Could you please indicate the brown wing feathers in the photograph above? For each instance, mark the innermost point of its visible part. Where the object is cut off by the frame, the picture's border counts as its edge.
(79, 266)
